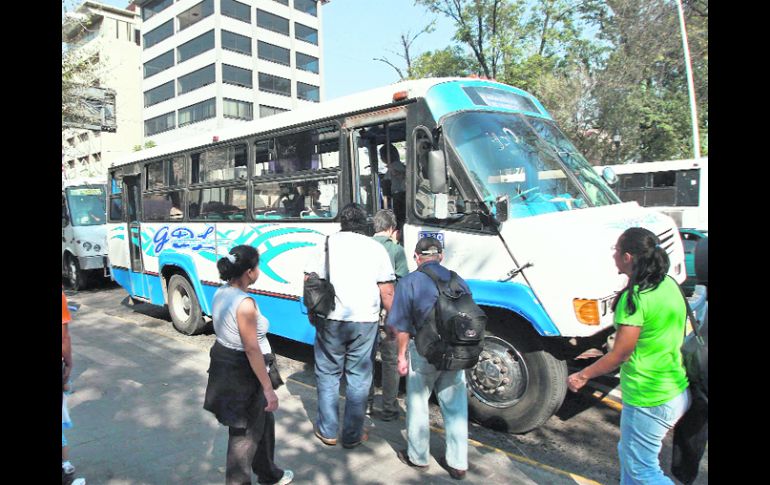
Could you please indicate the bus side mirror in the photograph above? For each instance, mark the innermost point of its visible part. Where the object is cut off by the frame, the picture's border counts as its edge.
(609, 176)
(437, 172)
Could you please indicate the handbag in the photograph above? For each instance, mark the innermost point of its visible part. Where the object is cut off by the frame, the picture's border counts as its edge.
(691, 431)
(272, 371)
(318, 293)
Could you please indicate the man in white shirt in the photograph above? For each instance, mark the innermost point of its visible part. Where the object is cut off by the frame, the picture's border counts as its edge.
(362, 275)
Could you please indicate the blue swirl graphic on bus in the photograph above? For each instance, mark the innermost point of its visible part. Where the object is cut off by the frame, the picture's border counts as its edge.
(262, 235)
(180, 238)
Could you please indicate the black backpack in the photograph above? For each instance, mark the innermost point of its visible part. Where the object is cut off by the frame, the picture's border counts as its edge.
(452, 336)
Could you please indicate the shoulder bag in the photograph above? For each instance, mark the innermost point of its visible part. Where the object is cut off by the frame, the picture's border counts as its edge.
(318, 293)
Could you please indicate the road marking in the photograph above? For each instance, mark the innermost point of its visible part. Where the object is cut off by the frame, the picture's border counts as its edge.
(527, 461)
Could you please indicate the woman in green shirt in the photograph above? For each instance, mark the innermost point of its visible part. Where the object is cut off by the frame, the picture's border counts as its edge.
(650, 319)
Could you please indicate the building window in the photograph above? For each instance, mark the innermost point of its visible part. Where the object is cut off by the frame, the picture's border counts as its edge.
(241, 110)
(159, 124)
(159, 64)
(83, 137)
(308, 92)
(236, 42)
(236, 10)
(307, 63)
(274, 84)
(285, 2)
(269, 21)
(305, 33)
(195, 14)
(198, 45)
(198, 112)
(151, 8)
(273, 53)
(97, 157)
(237, 76)
(265, 111)
(197, 79)
(164, 31)
(159, 94)
(307, 6)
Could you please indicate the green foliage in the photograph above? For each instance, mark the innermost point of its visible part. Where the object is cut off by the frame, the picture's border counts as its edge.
(599, 66)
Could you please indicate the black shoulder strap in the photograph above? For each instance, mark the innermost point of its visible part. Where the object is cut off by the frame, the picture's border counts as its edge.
(690, 314)
(433, 276)
(326, 250)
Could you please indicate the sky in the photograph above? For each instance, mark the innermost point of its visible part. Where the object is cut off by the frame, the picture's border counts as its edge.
(356, 31)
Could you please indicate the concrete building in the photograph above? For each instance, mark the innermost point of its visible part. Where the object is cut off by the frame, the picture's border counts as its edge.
(110, 36)
(207, 64)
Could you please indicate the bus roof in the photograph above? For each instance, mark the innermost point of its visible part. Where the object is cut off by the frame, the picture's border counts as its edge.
(382, 96)
(82, 181)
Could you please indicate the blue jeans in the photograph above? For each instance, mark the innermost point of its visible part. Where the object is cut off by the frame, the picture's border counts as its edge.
(453, 400)
(343, 346)
(642, 430)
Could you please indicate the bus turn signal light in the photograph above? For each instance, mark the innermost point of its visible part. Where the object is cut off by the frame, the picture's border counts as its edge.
(587, 311)
(400, 96)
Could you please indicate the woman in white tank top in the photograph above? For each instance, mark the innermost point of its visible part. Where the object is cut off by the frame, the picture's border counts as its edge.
(239, 392)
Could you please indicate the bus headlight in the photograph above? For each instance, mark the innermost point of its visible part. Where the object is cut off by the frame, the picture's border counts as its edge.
(87, 246)
(97, 248)
(587, 311)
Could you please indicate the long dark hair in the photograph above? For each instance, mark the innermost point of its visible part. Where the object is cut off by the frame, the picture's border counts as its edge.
(650, 263)
(246, 258)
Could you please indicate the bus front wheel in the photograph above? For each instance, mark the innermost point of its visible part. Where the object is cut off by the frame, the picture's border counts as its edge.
(76, 278)
(516, 386)
(183, 305)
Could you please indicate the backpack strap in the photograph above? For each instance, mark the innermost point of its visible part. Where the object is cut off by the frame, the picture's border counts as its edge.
(441, 285)
(690, 315)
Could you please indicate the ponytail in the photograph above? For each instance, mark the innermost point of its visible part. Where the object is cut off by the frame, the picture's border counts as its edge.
(239, 260)
(650, 264)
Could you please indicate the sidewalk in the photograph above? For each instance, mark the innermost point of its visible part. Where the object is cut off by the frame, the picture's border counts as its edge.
(138, 419)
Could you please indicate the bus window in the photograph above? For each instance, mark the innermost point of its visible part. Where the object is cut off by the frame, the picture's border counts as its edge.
(116, 191)
(162, 206)
(219, 203)
(218, 164)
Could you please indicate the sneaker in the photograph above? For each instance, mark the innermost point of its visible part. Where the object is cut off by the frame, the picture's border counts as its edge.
(287, 477)
(68, 467)
(404, 457)
(324, 440)
(364, 437)
(455, 473)
(369, 409)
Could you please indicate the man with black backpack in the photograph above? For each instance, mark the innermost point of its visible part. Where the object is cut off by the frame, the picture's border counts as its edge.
(436, 362)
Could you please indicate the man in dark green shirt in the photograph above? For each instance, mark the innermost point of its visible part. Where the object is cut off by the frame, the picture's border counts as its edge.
(385, 228)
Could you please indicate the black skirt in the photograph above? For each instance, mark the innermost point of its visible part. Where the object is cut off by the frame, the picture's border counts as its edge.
(233, 394)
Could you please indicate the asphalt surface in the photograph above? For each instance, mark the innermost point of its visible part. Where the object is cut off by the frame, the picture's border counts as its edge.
(579, 440)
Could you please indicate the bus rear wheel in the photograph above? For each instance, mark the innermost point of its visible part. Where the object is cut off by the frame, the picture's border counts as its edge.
(516, 386)
(183, 305)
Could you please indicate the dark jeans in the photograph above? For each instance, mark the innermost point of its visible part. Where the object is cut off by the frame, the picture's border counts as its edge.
(253, 449)
(390, 379)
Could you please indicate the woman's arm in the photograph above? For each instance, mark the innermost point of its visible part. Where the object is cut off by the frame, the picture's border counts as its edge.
(625, 343)
(247, 327)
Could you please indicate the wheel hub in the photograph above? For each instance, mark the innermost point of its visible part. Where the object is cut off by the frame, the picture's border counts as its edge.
(500, 378)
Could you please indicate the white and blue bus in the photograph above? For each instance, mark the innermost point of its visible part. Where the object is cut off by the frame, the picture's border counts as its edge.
(83, 227)
(677, 188)
(536, 251)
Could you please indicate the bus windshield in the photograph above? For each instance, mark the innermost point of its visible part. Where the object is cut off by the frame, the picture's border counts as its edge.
(86, 205)
(518, 156)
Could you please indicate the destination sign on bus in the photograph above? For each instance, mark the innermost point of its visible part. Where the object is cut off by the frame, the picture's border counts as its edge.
(498, 98)
(85, 191)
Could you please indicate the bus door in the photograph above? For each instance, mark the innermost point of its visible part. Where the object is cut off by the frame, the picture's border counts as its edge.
(138, 280)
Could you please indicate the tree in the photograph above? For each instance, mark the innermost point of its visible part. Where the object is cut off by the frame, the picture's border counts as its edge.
(407, 40)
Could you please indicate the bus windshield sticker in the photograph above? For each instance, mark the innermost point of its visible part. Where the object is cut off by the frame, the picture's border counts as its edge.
(86, 191)
(436, 235)
(497, 98)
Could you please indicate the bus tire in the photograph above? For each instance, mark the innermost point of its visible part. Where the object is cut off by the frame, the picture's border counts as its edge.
(183, 306)
(75, 277)
(534, 390)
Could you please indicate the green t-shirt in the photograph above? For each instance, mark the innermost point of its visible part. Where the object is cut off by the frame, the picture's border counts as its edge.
(397, 256)
(654, 373)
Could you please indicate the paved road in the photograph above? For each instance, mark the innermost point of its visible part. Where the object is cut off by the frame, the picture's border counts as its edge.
(581, 438)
